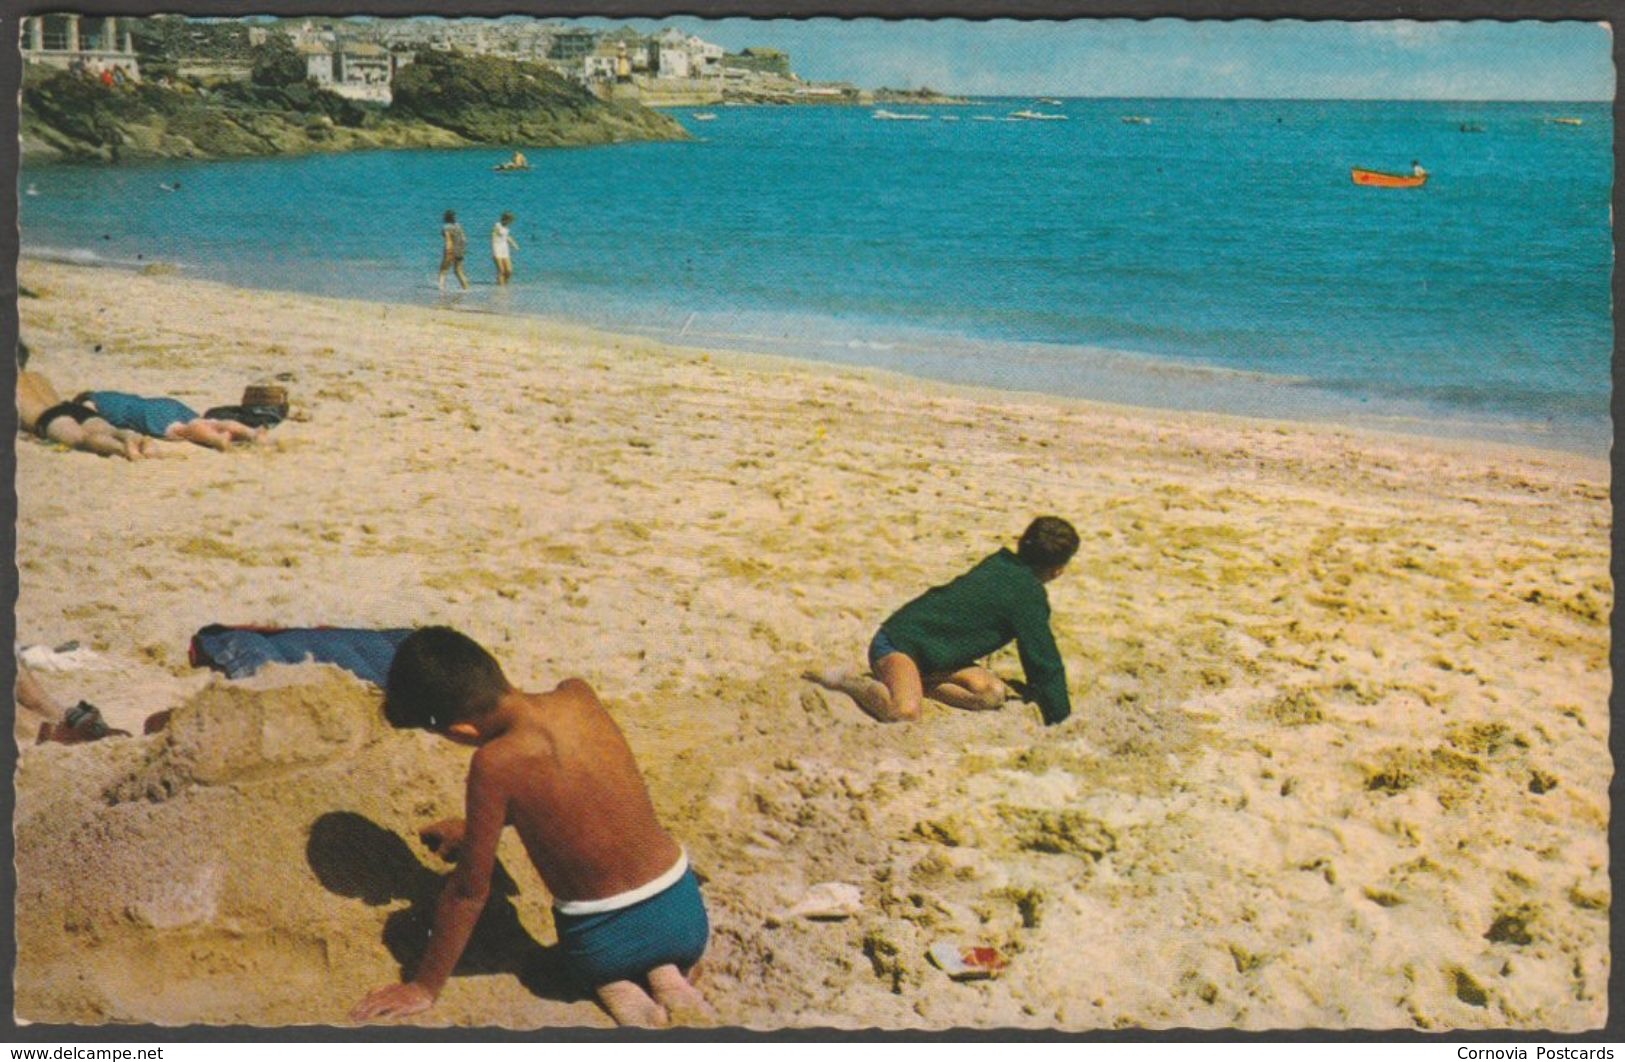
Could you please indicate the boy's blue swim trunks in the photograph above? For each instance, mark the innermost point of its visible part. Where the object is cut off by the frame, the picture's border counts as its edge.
(149, 416)
(627, 942)
(881, 646)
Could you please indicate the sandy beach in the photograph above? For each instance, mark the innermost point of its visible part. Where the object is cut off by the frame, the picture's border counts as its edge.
(1338, 756)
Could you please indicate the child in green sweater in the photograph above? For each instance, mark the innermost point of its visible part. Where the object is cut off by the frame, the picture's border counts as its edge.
(930, 646)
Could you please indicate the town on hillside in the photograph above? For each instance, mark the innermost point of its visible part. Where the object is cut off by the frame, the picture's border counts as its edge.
(358, 58)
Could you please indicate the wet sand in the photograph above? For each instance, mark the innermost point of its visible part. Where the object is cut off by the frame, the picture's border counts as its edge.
(1338, 756)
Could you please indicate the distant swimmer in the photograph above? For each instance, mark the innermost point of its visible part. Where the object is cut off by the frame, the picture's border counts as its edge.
(170, 187)
(31, 189)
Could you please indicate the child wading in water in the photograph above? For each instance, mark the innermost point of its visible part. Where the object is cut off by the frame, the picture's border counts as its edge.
(554, 766)
(930, 646)
(502, 247)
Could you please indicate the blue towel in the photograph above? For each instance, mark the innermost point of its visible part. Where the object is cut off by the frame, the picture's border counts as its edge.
(241, 651)
(149, 416)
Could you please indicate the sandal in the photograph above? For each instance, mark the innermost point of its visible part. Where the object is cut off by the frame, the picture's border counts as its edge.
(80, 724)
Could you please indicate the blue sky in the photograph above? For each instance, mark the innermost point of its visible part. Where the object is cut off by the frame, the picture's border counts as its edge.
(1172, 57)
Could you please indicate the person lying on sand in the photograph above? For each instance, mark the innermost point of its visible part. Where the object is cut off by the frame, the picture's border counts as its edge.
(167, 418)
(626, 905)
(41, 411)
(930, 645)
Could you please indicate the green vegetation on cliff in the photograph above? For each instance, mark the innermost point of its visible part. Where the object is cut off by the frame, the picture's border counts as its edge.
(442, 100)
(497, 101)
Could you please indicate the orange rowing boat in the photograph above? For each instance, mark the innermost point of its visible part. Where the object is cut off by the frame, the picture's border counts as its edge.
(1378, 179)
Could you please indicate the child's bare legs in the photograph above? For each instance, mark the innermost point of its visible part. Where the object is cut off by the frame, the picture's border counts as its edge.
(895, 698)
(972, 689)
(872, 696)
(680, 998)
(95, 436)
(629, 1004)
(219, 434)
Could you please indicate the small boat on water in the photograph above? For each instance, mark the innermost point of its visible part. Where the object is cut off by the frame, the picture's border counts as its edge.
(1567, 121)
(1136, 119)
(890, 116)
(1052, 103)
(1036, 116)
(513, 165)
(1471, 127)
(1379, 179)
(703, 116)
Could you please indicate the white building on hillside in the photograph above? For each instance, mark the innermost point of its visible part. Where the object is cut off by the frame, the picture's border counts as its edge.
(685, 56)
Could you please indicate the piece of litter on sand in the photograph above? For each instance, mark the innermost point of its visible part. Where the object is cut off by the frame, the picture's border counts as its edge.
(828, 901)
(70, 656)
(963, 962)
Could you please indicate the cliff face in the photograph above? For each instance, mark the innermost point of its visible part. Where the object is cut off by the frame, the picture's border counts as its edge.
(441, 101)
(496, 101)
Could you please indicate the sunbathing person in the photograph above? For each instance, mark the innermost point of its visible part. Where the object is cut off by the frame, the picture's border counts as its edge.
(167, 418)
(41, 411)
(930, 646)
(555, 767)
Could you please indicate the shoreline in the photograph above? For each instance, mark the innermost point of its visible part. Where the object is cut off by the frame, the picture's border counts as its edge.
(1340, 701)
(1450, 431)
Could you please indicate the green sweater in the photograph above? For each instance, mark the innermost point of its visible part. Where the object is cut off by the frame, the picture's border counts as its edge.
(1000, 600)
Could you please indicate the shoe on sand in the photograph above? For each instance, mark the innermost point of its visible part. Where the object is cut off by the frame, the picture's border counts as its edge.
(80, 724)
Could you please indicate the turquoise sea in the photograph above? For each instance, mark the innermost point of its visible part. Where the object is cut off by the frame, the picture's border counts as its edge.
(1218, 257)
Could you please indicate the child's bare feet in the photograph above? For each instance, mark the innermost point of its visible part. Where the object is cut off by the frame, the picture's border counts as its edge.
(629, 1004)
(870, 693)
(680, 998)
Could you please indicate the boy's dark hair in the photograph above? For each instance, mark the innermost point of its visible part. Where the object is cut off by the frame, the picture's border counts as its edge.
(451, 216)
(440, 677)
(1048, 542)
(506, 218)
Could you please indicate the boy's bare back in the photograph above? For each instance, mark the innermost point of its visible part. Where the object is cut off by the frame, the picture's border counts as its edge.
(575, 796)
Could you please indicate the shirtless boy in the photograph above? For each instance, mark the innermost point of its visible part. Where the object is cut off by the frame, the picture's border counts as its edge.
(555, 767)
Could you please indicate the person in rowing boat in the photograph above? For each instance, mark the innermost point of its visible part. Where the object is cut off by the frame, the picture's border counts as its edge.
(1417, 170)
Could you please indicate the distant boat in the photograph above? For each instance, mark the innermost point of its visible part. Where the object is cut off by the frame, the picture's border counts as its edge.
(888, 116)
(1136, 119)
(704, 116)
(1036, 116)
(1378, 179)
(1567, 121)
(509, 167)
(1471, 127)
(1052, 103)
(31, 189)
